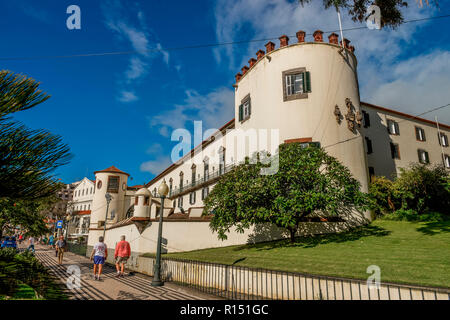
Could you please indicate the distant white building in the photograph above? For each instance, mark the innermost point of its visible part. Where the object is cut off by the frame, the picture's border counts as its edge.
(79, 209)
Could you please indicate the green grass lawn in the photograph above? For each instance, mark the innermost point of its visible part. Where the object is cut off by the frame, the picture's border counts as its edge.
(407, 252)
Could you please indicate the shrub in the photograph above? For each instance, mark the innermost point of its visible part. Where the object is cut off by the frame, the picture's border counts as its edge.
(420, 193)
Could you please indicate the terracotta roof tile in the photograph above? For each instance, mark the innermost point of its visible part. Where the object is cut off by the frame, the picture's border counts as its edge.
(113, 170)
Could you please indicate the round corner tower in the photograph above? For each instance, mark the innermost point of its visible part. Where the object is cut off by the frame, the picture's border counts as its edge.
(309, 92)
(114, 182)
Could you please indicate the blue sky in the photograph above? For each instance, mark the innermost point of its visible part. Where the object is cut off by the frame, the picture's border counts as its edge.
(121, 109)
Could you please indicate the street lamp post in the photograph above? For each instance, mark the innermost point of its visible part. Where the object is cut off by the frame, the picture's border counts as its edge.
(163, 190)
(108, 200)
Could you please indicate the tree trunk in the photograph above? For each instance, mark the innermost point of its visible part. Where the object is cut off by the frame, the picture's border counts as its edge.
(292, 231)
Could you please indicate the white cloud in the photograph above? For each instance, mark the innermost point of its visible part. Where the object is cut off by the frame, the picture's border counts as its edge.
(136, 69)
(127, 96)
(156, 166)
(130, 26)
(214, 109)
(418, 84)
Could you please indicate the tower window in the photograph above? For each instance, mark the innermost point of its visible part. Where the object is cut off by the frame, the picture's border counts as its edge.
(296, 84)
(113, 184)
(245, 108)
(366, 119)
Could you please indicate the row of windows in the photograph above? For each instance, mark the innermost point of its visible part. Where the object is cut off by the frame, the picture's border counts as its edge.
(194, 172)
(82, 207)
(192, 197)
(395, 153)
(87, 191)
(422, 155)
(393, 129)
(296, 85)
(146, 201)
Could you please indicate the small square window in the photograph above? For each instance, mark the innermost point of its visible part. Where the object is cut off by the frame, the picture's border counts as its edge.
(296, 84)
(443, 140)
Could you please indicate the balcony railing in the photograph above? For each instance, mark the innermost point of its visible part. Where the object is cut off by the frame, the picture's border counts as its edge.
(214, 175)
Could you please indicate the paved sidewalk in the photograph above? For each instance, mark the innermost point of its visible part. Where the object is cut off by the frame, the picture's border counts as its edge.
(129, 287)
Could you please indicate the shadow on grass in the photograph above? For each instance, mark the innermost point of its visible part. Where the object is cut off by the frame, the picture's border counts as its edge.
(315, 240)
(433, 228)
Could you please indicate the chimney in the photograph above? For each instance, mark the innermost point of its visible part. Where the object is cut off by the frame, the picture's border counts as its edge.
(346, 43)
(238, 77)
(260, 54)
(270, 46)
(333, 38)
(300, 36)
(251, 62)
(284, 40)
(244, 69)
(318, 36)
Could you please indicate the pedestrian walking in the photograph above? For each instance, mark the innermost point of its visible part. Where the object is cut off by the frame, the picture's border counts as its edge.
(4, 242)
(60, 248)
(99, 255)
(51, 239)
(121, 255)
(31, 242)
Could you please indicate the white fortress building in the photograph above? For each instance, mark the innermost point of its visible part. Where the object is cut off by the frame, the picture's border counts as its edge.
(300, 92)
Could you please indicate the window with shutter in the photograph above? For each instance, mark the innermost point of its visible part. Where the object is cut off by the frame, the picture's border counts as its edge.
(393, 127)
(443, 140)
(296, 84)
(241, 112)
(447, 161)
(420, 134)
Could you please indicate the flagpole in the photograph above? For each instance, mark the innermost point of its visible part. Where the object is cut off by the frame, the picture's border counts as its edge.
(340, 26)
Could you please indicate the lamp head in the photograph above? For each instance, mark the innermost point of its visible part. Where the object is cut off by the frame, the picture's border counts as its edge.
(163, 189)
(108, 197)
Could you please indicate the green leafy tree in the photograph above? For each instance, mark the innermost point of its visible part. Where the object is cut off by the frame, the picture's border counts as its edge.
(308, 181)
(391, 14)
(30, 215)
(27, 157)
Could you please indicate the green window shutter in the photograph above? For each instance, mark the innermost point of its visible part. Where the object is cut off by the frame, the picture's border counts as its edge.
(249, 107)
(307, 81)
(427, 160)
(241, 112)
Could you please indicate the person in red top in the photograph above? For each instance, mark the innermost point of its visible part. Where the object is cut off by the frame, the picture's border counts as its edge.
(121, 254)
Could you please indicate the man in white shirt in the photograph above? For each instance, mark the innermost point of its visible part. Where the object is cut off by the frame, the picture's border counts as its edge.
(99, 255)
(31, 246)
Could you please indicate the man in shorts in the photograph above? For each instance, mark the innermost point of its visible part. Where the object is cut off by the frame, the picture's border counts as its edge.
(121, 255)
(99, 255)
